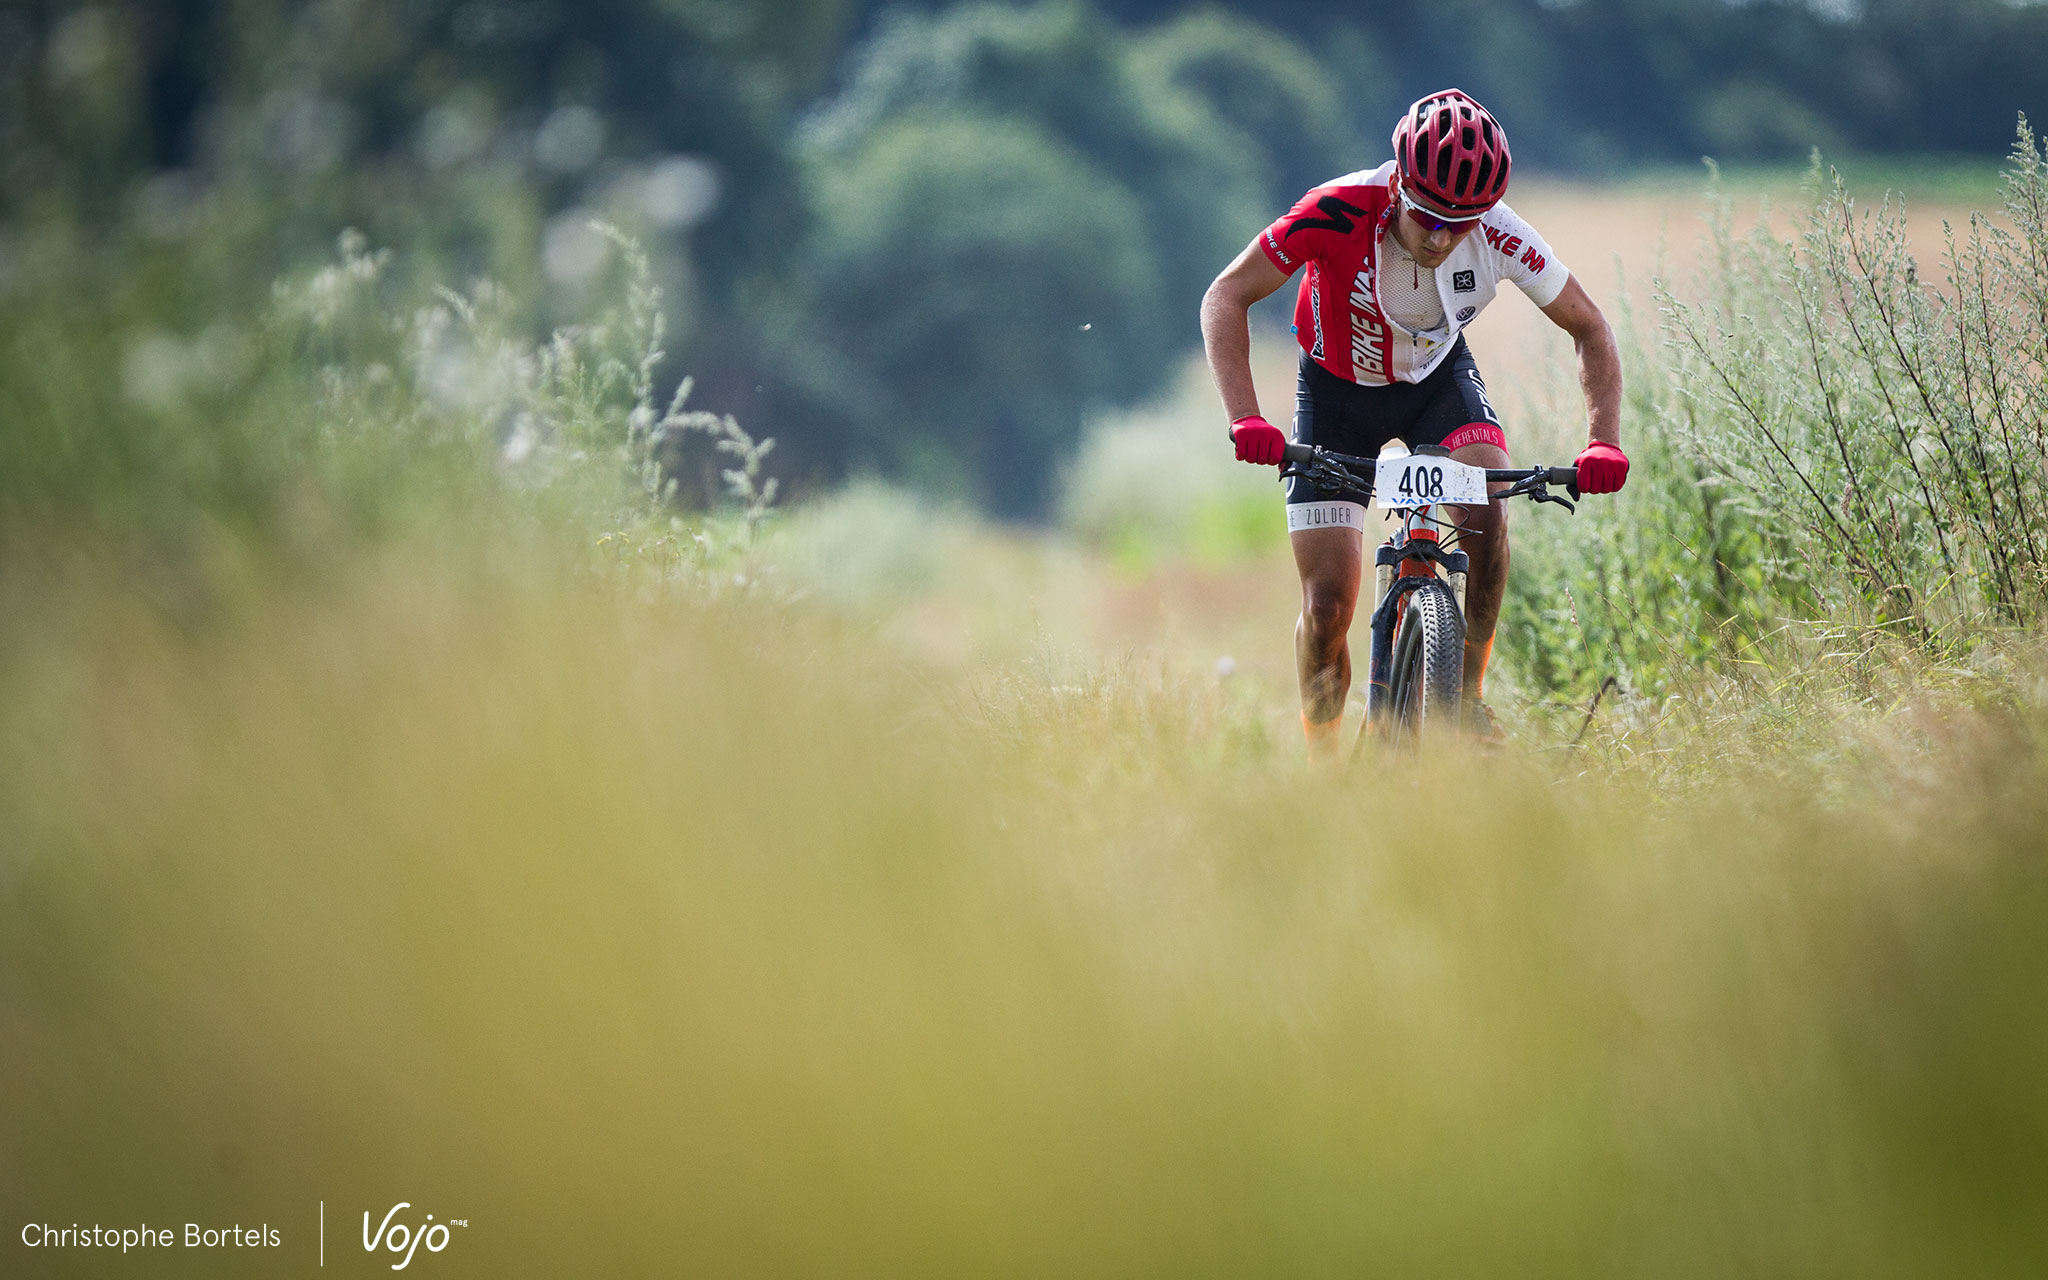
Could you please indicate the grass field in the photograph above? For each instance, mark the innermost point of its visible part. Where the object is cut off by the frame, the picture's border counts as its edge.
(905, 895)
(661, 937)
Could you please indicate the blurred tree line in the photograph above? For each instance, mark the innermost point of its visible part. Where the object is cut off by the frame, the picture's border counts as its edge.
(1591, 86)
(924, 240)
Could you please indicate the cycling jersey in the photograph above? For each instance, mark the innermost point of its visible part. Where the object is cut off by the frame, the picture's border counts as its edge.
(1337, 230)
(1408, 290)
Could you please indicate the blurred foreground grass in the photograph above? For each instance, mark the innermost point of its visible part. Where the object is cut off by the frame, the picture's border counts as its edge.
(696, 938)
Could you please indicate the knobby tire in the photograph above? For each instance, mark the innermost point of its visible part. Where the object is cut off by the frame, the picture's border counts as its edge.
(1428, 668)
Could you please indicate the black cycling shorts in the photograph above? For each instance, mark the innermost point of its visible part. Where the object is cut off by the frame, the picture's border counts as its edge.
(1348, 417)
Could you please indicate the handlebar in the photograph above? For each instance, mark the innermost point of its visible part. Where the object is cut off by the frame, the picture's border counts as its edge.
(1327, 469)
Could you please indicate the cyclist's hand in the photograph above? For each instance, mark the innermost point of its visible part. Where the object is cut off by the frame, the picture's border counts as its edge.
(1603, 467)
(1258, 441)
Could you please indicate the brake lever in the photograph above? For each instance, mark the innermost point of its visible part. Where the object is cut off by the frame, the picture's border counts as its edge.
(1325, 476)
(1316, 474)
(1542, 493)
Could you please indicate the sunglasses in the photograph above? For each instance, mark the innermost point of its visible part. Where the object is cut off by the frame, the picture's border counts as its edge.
(1428, 221)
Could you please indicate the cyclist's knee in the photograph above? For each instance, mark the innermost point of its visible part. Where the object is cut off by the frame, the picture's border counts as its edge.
(1327, 610)
(1486, 521)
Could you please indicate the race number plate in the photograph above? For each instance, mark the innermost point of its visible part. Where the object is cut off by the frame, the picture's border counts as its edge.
(1418, 480)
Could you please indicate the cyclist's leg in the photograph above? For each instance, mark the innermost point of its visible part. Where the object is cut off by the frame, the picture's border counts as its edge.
(1330, 562)
(1487, 583)
(1460, 415)
(1328, 537)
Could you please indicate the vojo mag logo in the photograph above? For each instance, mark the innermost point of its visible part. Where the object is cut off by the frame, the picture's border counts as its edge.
(402, 1237)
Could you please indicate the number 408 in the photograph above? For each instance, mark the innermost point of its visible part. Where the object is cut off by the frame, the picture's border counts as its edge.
(1422, 482)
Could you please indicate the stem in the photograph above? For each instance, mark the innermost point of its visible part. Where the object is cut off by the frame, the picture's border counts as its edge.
(1934, 513)
(1844, 544)
(1834, 421)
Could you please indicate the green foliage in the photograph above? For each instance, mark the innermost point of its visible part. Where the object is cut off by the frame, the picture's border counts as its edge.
(1832, 455)
(138, 242)
(866, 546)
(1649, 586)
(989, 282)
(942, 969)
(188, 152)
(457, 848)
(1159, 484)
(1019, 210)
(1252, 94)
(1601, 85)
(1895, 425)
(1748, 118)
(354, 407)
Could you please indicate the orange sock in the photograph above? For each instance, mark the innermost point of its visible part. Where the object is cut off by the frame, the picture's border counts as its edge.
(1325, 739)
(1483, 653)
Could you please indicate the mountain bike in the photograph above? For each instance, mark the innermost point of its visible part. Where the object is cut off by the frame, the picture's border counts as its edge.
(1418, 620)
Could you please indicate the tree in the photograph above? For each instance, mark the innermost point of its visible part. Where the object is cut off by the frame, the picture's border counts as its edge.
(988, 283)
(1017, 211)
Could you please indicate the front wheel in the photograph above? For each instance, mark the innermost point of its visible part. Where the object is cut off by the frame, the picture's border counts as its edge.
(1428, 668)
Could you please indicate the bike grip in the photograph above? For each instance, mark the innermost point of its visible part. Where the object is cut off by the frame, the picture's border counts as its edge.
(1562, 475)
(1295, 451)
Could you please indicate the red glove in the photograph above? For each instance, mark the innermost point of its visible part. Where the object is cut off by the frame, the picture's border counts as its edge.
(1258, 441)
(1603, 467)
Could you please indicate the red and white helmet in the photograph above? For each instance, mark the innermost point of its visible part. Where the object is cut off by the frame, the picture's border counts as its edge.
(1452, 154)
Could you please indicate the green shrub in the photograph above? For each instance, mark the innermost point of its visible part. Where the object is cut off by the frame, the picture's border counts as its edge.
(1895, 427)
(1160, 483)
(866, 545)
(351, 407)
(1826, 434)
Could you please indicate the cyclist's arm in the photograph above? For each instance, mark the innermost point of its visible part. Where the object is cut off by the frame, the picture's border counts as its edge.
(1226, 326)
(1599, 358)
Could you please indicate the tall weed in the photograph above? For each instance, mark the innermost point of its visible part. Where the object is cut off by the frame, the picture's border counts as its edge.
(1838, 480)
(354, 406)
(1897, 429)
(1648, 587)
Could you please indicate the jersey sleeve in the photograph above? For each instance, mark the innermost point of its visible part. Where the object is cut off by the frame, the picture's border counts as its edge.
(1532, 266)
(1318, 224)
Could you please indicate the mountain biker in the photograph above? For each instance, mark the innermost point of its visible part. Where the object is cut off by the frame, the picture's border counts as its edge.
(1394, 273)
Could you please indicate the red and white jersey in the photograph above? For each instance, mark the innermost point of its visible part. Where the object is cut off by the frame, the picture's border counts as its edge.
(1335, 231)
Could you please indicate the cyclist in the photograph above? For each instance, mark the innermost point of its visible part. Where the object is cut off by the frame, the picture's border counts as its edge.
(1399, 259)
